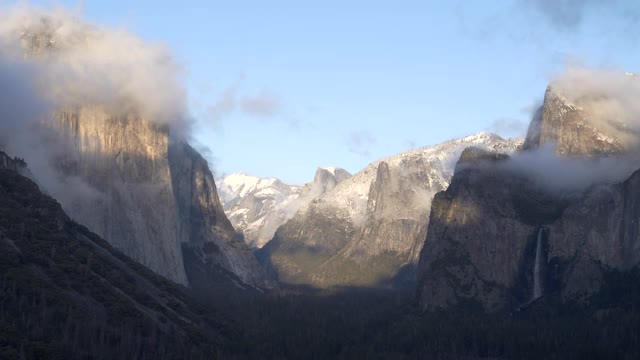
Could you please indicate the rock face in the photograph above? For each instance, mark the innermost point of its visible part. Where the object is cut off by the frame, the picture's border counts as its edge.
(149, 196)
(109, 149)
(369, 230)
(11, 163)
(498, 240)
(567, 125)
(258, 206)
(208, 239)
(595, 235)
(68, 294)
(482, 236)
(125, 161)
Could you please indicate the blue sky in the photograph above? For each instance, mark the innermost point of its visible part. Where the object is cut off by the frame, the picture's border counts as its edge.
(281, 87)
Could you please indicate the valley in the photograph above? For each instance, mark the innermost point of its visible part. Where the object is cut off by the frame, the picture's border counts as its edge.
(123, 236)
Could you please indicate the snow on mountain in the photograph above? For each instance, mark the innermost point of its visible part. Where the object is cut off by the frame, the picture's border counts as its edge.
(370, 229)
(258, 206)
(352, 195)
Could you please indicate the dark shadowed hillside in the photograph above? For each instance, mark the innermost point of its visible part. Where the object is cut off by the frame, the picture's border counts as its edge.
(67, 294)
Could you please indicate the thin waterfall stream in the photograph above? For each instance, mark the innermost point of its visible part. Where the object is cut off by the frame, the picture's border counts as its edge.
(537, 281)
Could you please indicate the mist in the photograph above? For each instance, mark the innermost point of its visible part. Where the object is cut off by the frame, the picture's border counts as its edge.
(608, 98)
(52, 61)
(74, 63)
(563, 175)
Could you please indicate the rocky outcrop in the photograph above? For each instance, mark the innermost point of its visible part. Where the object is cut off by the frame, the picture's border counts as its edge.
(208, 239)
(258, 206)
(499, 239)
(325, 179)
(482, 236)
(569, 126)
(595, 235)
(369, 230)
(11, 163)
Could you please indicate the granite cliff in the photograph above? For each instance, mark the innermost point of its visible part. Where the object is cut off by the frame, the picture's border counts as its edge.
(501, 238)
(155, 197)
(110, 142)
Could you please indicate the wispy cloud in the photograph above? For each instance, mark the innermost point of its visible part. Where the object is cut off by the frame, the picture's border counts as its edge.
(264, 104)
(565, 13)
(76, 63)
(223, 107)
(509, 127)
(359, 142)
(569, 14)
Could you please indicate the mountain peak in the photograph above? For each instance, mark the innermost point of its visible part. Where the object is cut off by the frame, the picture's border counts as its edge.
(482, 135)
(571, 126)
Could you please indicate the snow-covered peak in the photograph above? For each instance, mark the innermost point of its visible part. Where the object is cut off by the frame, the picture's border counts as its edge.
(240, 184)
(352, 194)
(258, 206)
(331, 169)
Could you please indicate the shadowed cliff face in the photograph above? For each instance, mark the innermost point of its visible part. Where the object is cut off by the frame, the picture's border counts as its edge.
(11, 163)
(595, 235)
(208, 239)
(481, 243)
(481, 236)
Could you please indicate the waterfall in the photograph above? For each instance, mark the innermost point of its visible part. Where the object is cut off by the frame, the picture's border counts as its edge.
(537, 282)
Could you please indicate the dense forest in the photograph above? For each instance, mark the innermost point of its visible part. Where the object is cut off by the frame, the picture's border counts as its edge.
(365, 323)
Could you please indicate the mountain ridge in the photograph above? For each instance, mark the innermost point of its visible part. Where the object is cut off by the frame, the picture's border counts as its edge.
(366, 220)
(258, 206)
(67, 293)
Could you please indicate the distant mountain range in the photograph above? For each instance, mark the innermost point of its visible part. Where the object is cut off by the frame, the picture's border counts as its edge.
(258, 206)
(365, 229)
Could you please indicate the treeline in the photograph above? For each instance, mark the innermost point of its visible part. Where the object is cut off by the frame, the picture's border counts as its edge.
(377, 324)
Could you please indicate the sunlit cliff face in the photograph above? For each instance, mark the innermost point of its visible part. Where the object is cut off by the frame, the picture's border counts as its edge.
(92, 111)
(607, 100)
(72, 63)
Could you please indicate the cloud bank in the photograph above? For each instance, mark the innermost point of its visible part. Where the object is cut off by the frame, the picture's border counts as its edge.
(609, 98)
(73, 63)
(608, 101)
(52, 61)
(570, 175)
(509, 127)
